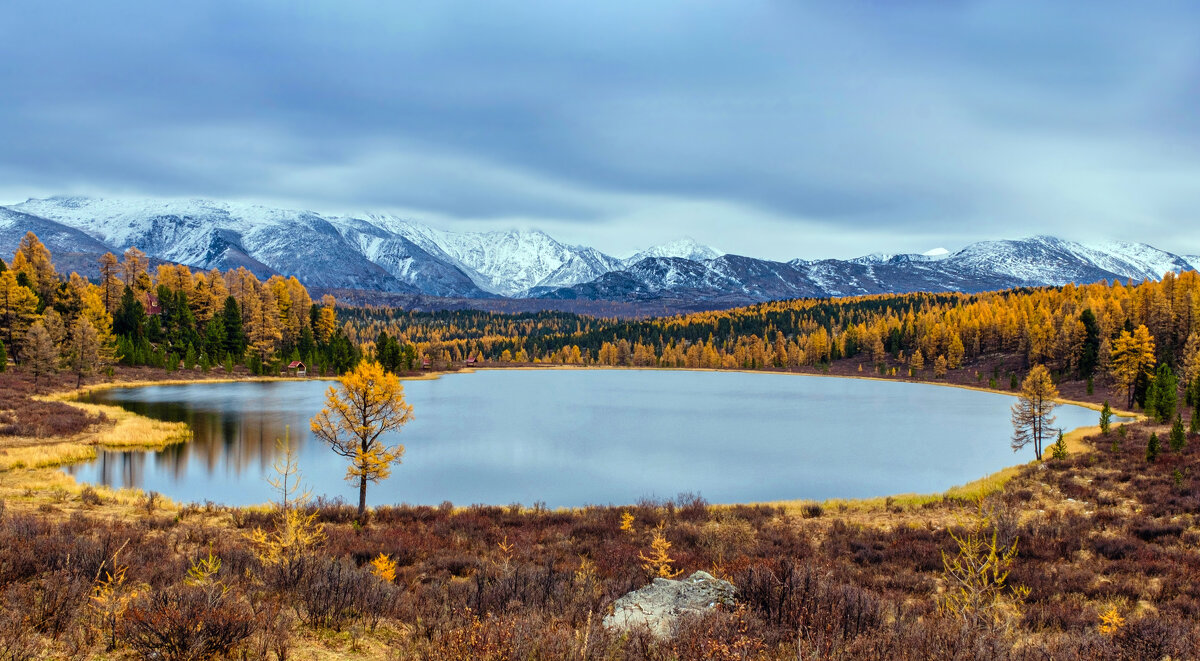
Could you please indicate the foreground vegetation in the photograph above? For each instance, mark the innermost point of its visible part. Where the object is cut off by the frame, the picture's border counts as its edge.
(1105, 556)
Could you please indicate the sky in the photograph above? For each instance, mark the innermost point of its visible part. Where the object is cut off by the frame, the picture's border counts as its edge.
(777, 129)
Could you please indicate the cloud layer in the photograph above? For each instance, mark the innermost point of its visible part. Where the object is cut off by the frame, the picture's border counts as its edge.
(770, 128)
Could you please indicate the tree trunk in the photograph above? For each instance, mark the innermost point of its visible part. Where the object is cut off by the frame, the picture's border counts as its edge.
(362, 500)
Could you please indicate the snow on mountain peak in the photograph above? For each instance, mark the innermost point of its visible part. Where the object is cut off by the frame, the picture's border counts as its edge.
(686, 248)
(382, 252)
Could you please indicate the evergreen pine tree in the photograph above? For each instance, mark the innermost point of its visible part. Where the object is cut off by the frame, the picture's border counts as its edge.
(1059, 449)
(4, 357)
(1194, 423)
(1151, 407)
(1166, 393)
(1152, 448)
(1106, 415)
(1090, 355)
(1178, 438)
(235, 336)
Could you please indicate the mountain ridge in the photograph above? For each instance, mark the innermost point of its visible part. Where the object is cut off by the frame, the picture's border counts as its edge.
(386, 253)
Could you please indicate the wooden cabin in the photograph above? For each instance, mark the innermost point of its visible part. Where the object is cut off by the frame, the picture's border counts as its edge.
(153, 307)
(425, 364)
(471, 361)
(297, 368)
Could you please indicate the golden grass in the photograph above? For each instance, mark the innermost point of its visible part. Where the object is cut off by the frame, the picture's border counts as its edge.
(132, 430)
(43, 456)
(971, 491)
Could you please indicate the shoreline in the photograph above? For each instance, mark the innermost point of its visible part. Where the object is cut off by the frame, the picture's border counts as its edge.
(135, 431)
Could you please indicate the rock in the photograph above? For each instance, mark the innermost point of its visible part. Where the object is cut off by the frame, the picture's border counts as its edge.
(660, 605)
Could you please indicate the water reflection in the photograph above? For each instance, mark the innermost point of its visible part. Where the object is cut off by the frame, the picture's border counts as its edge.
(570, 438)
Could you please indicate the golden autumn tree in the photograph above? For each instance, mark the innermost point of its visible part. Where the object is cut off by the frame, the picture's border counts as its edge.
(33, 259)
(133, 269)
(955, 352)
(40, 355)
(1132, 358)
(18, 309)
(1033, 414)
(84, 354)
(368, 404)
(110, 281)
(326, 319)
(262, 323)
(296, 527)
(1191, 358)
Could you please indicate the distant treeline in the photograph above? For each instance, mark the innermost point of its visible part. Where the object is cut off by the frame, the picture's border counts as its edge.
(1118, 331)
(1122, 332)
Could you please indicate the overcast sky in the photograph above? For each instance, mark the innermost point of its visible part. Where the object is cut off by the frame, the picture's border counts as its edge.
(775, 129)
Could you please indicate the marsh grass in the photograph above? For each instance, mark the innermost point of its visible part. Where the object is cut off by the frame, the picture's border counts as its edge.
(45, 456)
(969, 492)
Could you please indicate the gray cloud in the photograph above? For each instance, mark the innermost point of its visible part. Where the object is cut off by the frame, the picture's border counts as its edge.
(779, 129)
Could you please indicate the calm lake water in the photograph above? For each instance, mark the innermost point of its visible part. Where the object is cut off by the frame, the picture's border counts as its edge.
(576, 437)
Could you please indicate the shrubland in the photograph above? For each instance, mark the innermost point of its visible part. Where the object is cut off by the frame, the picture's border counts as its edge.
(1095, 556)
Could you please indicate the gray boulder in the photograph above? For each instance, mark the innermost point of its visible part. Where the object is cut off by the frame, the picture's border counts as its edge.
(661, 605)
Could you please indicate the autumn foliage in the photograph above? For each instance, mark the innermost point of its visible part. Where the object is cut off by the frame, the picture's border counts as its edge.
(367, 405)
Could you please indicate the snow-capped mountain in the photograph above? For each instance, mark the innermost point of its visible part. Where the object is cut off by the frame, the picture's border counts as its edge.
(507, 263)
(686, 248)
(205, 234)
(371, 251)
(987, 265)
(384, 253)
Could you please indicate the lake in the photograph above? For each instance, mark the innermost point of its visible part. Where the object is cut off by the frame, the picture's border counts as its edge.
(576, 437)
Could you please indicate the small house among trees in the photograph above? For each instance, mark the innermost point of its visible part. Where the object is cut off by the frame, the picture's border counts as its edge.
(425, 364)
(297, 368)
(471, 361)
(153, 306)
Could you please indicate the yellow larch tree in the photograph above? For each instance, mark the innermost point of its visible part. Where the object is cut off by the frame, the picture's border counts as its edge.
(33, 258)
(1132, 358)
(263, 323)
(1033, 414)
(367, 405)
(134, 270)
(18, 309)
(296, 528)
(110, 281)
(326, 319)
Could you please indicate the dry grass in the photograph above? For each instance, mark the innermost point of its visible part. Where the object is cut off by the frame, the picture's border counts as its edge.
(126, 430)
(133, 430)
(43, 456)
(971, 491)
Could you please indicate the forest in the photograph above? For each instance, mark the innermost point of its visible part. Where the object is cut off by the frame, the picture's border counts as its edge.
(1087, 554)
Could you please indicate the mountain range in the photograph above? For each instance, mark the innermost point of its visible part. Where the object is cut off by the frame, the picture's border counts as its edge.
(383, 253)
